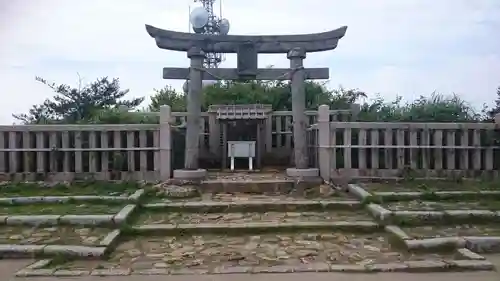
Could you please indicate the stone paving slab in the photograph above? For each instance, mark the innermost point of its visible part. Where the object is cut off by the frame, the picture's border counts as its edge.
(256, 253)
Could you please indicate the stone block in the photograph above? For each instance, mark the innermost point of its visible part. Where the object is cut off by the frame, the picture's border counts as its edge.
(397, 231)
(39, 264)
(379, 212)
(340, 205)
(483, 244)
(11, 250)
(110, 272)
(33, 220)
(188, 271)
(110, 238)
(70, 273)
(124, 213)
(74, 251)
(35, 272)
(387, 267)
(433, 243)
(27, 200)
(86, 219)
(198, 174)
(468, 254)
(55, 199)
(137, 195)
(312, 267)
(351, 268)
(6, 201)
(419, 215)
(469, 213)
(358, 191)
(426, 266)
(152, 271)
(232, 269)
(302, 173)
(475, 265)
(398, 195)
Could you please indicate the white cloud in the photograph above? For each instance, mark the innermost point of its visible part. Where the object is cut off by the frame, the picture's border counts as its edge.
(409, 47)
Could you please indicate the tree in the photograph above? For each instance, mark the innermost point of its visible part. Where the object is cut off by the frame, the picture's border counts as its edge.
(490, 114)
(73, 105)
(168, 95)
(276, 93)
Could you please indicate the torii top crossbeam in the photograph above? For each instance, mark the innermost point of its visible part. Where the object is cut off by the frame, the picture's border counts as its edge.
(264, 44)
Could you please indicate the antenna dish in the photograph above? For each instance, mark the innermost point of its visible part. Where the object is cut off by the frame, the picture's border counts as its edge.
(198, 17)
(198, 30)
(224, 26)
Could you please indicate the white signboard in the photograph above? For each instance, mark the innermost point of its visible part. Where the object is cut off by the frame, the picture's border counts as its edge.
(241, 149)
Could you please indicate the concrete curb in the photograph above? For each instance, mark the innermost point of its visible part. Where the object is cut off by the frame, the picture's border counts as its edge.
(409, 266)
(52, 220)
(412, 195)
(468, 247)
(111, 238)
(13, 250)
(361, 226)
(134, 197)
(258, 206)
(358, 192)
(397, 232)
(378, 212)
(467, 254)
(124, 214)
(79, 198)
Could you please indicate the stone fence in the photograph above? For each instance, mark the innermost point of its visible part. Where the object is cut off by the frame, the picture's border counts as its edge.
(339, 148)
(358, 150)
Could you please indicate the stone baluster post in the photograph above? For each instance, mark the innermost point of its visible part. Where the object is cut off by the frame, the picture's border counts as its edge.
(296, 57)
(323, 142)
(192, 151)
(165, 142)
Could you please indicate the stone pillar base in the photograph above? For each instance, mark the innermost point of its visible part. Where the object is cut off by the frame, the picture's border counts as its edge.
(198, 174)
(302, 173)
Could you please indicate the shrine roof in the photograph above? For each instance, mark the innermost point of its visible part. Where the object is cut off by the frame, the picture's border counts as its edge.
(241, 111)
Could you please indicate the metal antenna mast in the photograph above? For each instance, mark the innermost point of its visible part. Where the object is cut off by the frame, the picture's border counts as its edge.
(211, 24)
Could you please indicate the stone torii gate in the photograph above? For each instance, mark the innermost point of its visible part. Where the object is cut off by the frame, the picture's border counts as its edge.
(247, 49)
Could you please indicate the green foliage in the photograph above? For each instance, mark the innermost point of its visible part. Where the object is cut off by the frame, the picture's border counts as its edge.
(77, 104)
(435, 108)
(168, 95)
(98, 102)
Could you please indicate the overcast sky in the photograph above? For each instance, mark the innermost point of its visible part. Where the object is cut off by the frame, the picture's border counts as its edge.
(392, 47)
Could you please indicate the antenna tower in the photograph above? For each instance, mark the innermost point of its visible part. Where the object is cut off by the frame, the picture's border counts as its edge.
(213, 26)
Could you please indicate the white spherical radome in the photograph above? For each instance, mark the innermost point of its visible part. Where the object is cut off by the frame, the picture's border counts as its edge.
(224, 26)
(198, 17)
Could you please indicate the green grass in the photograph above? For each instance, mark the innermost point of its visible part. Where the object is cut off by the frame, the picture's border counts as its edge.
(432, 185)
(91, 188)
(60, 209)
